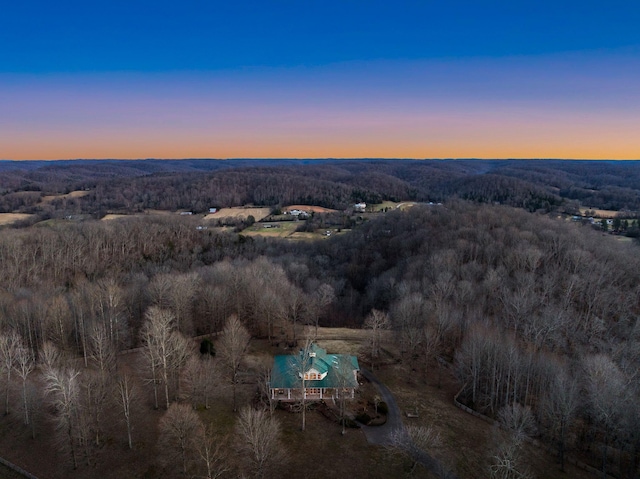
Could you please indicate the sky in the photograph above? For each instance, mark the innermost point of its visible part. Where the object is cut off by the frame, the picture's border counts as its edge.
(319, 79)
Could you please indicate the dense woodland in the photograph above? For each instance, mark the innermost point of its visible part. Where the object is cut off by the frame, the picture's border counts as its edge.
(196, 185)
(537, 317)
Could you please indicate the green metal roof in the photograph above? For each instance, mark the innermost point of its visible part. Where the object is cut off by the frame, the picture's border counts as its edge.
(284, 376)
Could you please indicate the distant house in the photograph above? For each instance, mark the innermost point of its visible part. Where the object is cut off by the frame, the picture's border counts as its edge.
(212, 210)
(185, 213)
(328, 376)
(360, 207)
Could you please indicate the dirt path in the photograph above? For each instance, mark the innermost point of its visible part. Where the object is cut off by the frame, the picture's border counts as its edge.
(381, 435)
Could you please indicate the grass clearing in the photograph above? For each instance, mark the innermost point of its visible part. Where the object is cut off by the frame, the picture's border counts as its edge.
(279, 229)
(599, 213)
(309, 209)
(239, 212)
(72, 194)
(10, 218)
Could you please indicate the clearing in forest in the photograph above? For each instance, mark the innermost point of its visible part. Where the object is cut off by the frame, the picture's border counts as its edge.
(73, 194)
(9, 218)
(239, 212)
(309, 209)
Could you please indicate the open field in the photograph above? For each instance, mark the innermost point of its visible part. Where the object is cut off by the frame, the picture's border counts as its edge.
(9, 218)
(73, 194)
(309, 209)
(239, 212)
(287, 229)
(599, 213)
(113, 217)
(391, 205)
(280, 229)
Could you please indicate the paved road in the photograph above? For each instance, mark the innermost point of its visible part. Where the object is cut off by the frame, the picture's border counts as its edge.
(380, 435)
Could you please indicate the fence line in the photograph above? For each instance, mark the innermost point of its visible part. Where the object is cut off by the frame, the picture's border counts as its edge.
(17, 469)
(534, 442)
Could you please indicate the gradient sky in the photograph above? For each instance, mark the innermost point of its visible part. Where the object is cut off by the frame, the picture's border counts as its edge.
(305, 78)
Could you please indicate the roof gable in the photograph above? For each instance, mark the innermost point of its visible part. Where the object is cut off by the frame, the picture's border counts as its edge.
(284, 376)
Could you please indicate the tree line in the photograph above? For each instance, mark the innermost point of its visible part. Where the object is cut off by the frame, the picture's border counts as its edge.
(531, 312)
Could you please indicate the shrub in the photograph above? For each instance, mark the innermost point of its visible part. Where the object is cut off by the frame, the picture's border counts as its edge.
(364, 418)
(207, 347)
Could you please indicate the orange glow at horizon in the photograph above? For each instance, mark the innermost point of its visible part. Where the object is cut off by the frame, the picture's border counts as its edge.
(510, 108)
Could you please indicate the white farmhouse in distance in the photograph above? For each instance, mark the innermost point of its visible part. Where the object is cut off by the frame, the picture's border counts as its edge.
(359, 207)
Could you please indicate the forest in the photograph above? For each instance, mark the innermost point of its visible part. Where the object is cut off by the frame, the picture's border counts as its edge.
(533, 317)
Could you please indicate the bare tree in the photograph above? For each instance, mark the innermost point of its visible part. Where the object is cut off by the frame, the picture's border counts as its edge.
(377, 322)
(63, 387)
(606, 389)
(95, 389)
(212, 455)
(50, 357)
(259, 434)
(232, 348)
(412, 441)
(507, 461)
(180, 431)
(9, 345)
(24, 366)
(165, 349)
(342, 371)
(517, 419)
(110, 309)
(559, 407)
(101, 350)
(320, 299)
(264, 387)
(200, 374)
(126, 396)
(299, 365)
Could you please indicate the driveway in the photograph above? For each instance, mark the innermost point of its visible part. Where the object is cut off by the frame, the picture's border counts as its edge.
(380, 435)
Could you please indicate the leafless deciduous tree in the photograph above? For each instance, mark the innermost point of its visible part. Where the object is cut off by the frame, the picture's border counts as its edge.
(507, 461)
(101, 350)
(126, 396)
(24, 366)
(232, 348)
(165, 350)
(299, 365)
(559, 408)
(606, 390)
(320, 299)
(180, 432)
(64, 389)
(200, 376)
(9, 344)
(210, 450)
(411, 441)
(518, 420)
(110, 309)
(343, 373)
(377, 322)
(259, 435)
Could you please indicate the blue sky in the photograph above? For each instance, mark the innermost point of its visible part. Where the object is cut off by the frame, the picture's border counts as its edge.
(81, 36)
(420, 78)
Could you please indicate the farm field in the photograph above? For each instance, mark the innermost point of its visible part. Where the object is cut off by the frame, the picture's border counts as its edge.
(239, 212)
(10, 218)
(599, 213)
(287, 229)
(309, 209)
(73, 194)
(391, 205)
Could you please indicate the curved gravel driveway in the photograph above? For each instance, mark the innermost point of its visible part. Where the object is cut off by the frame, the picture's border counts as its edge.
(380, 435)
